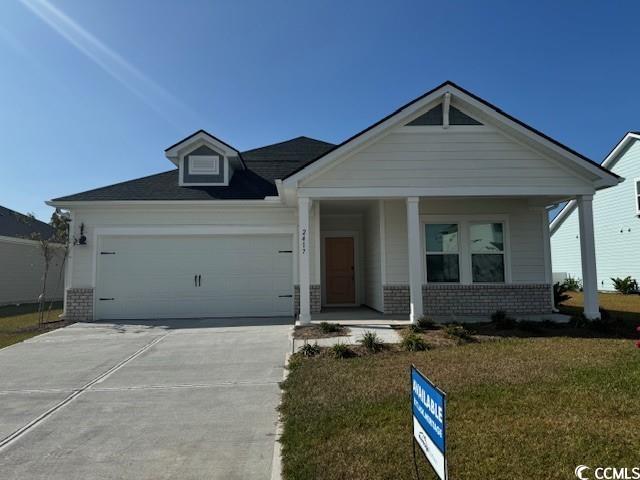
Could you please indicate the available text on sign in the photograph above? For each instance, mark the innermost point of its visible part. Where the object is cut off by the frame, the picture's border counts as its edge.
(428, 407)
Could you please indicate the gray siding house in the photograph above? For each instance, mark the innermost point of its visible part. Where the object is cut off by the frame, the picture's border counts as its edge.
(22, 263)
(616, 214)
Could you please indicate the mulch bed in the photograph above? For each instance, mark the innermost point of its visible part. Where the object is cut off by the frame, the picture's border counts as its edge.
(308, 332)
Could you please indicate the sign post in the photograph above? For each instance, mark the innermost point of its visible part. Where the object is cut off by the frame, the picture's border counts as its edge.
(428, 404)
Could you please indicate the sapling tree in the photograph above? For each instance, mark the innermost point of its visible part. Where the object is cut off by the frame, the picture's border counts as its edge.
(48, 248)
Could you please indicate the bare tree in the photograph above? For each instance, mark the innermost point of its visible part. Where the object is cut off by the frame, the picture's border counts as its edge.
(48, 248)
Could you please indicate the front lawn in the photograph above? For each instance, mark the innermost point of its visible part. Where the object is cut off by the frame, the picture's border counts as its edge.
(517, 408)
(623, 307)
(19, 322)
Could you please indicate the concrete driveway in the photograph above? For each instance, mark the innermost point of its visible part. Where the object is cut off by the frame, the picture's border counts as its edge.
(182, 399)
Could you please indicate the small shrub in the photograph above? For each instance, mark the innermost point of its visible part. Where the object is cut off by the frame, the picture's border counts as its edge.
(309, 350)
(572, 284)
(560, 294)
(625, 286)
(459, 332)
(341, 350)
(371, 342)
(579, 321)
(414, 328)
(326, 327)
(426, 323)
(502, 320)
(414, 343)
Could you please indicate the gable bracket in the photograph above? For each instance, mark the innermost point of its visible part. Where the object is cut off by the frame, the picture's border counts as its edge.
(446, 104)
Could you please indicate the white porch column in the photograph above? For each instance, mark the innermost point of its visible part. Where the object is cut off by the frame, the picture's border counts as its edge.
(588, 256)
(304, 205)
(415, 259)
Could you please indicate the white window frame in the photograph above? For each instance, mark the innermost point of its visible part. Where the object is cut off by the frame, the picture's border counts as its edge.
(429, 252)
(503, 252)
(215, 165)
(464, 244)
(636, 182)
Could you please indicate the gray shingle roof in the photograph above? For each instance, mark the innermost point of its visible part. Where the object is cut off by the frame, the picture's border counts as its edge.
(265, 165)
(17, 225)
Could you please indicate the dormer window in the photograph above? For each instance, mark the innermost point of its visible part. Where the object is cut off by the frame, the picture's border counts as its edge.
(205, 161)
(204, 164)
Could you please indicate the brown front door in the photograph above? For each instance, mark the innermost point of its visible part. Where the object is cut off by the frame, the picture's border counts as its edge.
(340, 270)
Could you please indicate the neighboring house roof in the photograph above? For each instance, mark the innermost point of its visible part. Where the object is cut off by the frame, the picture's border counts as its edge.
(608, 162)
(406, 109)
(264, 166)
(16, 225)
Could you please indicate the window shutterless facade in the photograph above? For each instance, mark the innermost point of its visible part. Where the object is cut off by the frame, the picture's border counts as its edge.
(465, 249)
(487, 252)
(443, 252)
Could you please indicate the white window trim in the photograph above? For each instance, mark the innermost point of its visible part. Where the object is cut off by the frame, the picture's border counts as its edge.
(636, 181)
(429, 252)
(215, 166)
(503, 252)
(464, 246)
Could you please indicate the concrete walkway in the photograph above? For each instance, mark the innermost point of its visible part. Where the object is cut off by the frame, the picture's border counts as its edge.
(143, 400)
(385, 332)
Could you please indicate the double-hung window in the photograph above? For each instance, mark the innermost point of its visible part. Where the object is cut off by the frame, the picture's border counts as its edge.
(487, 252)
(466, 250)
(638, 195)
(443, 252)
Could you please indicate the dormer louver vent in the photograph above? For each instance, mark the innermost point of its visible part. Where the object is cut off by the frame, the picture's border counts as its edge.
(204, 164)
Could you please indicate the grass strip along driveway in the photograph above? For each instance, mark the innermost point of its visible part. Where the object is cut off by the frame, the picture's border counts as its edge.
(517, 408)
(20, 322)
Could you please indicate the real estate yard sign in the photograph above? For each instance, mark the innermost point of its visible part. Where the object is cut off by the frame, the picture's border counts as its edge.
(428, 407)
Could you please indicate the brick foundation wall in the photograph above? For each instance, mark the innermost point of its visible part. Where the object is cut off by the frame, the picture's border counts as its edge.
(529, 298)
(315, 298)
(78, 306)
(396, 299)
(456, 299)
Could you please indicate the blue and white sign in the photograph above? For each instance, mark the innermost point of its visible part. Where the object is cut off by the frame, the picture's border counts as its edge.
(428, 407)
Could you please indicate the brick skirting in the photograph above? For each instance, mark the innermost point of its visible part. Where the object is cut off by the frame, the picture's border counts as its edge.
(78, 305)
(526, 298)
(396, 299)
(456, 299)
(314, 298)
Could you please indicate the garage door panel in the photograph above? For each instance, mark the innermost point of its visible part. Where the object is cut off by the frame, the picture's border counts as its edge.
(154, 276)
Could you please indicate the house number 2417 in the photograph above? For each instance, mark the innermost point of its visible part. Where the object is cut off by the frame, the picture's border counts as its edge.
(304, 240)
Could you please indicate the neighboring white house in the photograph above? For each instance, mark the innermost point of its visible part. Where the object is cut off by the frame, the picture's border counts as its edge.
(616, 214)
(22, 262)
(438, 208)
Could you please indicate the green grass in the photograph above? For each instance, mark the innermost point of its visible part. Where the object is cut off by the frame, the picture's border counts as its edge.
(20, 322)
(517, 408)
(623, 307)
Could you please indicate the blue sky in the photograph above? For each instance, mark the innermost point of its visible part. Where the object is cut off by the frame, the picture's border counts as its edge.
(93, 91)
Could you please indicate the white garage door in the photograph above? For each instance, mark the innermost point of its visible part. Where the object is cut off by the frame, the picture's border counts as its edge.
(196, 276)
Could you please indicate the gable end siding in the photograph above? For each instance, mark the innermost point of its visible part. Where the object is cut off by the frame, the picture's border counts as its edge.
(446, 158)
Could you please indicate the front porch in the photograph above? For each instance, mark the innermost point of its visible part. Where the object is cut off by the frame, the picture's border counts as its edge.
(453, 259)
